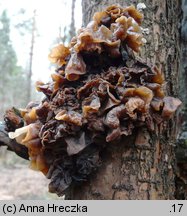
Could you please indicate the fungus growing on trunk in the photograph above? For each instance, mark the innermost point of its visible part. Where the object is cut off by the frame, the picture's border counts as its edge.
(95, 97)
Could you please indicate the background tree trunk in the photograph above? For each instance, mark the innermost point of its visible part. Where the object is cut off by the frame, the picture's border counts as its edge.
(142, 166)
(29, 76)
(72, 29)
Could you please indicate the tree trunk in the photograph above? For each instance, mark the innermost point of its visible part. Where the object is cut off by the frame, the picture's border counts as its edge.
(72, 25)
(142, 166)
(182, 140)
(29, 77)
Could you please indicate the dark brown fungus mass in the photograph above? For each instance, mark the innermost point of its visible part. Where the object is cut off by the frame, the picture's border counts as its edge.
(98, 94)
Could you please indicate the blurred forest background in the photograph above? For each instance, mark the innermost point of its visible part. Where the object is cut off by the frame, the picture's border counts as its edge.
(28, 30)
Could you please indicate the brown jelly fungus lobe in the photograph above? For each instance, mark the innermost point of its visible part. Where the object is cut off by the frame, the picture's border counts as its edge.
(98, 94)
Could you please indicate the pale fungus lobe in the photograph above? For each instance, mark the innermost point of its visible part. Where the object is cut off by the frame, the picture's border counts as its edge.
(98, 94)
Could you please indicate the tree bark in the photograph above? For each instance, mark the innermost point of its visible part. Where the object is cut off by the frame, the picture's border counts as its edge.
(182, 140)
(142, 166)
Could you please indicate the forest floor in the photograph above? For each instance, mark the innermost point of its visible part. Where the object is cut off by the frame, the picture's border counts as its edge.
(17, 181)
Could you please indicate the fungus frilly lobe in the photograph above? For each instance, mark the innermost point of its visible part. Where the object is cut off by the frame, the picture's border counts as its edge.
(94, 98)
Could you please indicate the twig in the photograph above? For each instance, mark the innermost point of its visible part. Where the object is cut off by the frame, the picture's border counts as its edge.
(12, 145)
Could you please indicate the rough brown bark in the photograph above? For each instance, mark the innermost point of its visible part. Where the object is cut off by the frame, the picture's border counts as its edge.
(182, 140)
(142, 166)
(183, 74)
